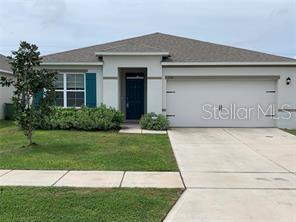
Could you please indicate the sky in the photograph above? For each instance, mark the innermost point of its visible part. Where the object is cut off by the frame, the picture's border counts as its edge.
(60, 25)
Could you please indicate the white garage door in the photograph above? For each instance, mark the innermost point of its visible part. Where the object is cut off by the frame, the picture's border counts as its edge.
(221, 102)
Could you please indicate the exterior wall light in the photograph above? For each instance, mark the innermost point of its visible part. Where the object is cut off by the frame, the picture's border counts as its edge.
(288, 81)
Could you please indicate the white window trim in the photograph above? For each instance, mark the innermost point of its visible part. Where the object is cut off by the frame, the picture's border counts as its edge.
(65, 90)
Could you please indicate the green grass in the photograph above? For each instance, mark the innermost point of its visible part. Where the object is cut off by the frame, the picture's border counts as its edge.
(75, 204)
(292, 131)
(84, 150)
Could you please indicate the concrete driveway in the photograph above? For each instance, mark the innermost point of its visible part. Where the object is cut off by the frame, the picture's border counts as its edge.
(235, 174)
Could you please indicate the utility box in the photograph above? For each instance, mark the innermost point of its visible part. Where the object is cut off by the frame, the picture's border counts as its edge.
(9, 111)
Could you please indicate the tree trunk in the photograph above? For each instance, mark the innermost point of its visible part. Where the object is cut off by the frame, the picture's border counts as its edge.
(30, 137)
(30, 127)
(30, 134)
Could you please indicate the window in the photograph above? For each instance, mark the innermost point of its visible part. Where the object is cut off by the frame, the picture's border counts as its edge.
(59, 86)
(70, 90)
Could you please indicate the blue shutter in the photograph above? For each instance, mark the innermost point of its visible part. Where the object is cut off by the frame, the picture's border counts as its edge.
(37, 98)
(91, 90)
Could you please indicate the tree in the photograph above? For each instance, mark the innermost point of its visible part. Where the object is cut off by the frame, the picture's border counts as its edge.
(34, 88)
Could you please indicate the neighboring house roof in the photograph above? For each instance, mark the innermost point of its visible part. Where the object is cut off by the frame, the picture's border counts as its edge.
(180, 50)
(4, 65)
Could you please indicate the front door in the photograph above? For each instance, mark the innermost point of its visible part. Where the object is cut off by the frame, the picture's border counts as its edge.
(134, 96)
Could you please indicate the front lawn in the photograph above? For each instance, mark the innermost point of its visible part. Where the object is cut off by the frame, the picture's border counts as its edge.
(85, 150)
(77, 204)
(292, 131)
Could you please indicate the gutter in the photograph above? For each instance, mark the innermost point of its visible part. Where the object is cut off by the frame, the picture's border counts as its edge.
(71, 63)
(228, 63)
(5, 71)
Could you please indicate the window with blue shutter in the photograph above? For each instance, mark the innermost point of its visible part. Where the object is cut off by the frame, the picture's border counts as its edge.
(91, 90)
(70, 89)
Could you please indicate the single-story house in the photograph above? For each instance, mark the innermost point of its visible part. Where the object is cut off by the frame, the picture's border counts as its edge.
(194, 83)
(6, 93)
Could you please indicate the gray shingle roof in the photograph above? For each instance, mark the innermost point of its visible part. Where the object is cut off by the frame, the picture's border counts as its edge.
(4, 64)
(130, 47)
(180, 49)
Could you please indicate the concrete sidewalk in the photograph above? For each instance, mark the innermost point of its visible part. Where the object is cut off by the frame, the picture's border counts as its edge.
(95, 179)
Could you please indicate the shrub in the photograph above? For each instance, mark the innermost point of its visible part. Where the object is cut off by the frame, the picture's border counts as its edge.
(151, 121)
(100, 118)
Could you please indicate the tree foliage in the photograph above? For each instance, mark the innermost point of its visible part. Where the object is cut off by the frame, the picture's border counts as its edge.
(34, 88)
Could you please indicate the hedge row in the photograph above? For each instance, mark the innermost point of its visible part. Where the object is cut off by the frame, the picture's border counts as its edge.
(100, 118)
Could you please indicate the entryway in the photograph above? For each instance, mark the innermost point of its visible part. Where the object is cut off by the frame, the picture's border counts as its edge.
(133, 92)
(130, 127)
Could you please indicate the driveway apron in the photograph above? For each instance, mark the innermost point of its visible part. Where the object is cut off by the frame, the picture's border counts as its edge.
(235, 174)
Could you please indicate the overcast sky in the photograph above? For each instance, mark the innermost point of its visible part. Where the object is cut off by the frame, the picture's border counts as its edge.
(59, 25)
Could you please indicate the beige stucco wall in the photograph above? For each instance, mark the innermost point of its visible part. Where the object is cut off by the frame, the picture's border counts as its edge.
(108, 81)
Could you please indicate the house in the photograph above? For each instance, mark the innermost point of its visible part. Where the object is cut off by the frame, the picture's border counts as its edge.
(194, 83)
(6, 93)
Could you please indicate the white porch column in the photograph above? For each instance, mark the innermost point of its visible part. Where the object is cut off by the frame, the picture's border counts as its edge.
(111, 92)
(154, 95)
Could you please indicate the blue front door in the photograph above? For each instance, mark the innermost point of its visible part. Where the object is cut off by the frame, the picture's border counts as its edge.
(134, 96)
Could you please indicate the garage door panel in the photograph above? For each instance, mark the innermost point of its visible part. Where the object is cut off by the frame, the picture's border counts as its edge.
(193, 99)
